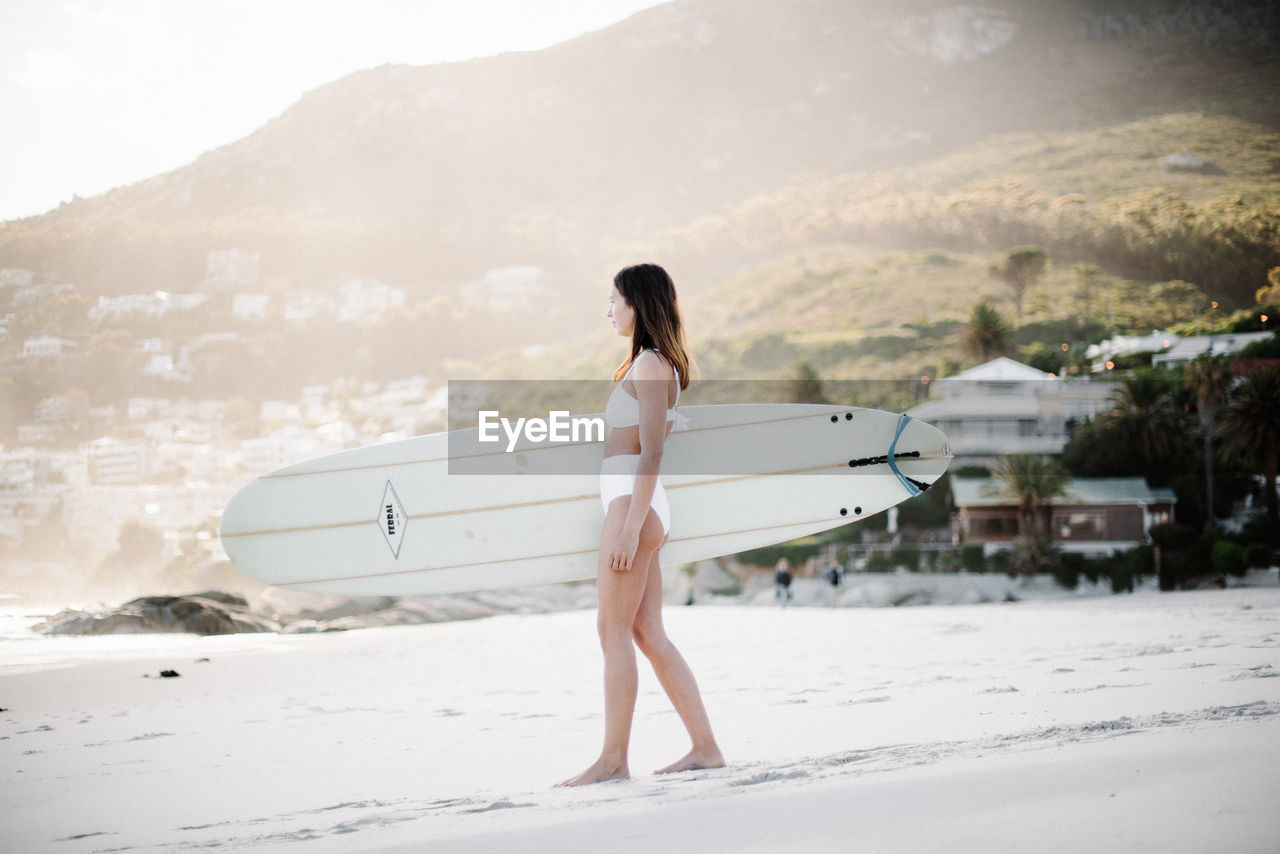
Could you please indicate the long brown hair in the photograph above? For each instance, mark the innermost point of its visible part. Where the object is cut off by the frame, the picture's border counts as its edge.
(651, 294)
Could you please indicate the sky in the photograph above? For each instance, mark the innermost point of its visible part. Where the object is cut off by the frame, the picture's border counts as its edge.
(96, 94)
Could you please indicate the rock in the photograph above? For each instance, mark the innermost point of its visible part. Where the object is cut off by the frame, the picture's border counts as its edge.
(209, 613)
(216, 613)
(223, 597)
(169, 674)
(359, 606)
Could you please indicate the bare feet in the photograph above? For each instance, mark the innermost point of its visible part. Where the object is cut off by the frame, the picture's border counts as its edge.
(600, 772)
(695, 760)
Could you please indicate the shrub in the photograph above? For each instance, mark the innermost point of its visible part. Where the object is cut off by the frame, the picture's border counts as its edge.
(1257, 555)
(1228, 558)
(926, 510)
(971, 558)
(1033, 554)
(1171, 535)
(1067, 572)
(906, 555)
(1128, 566)
(1000, 562)
(879, 562)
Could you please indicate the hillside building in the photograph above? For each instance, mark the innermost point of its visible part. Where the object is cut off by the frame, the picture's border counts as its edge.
(226, 268)
(46, 347)
(1187, 349)
(1005, 407)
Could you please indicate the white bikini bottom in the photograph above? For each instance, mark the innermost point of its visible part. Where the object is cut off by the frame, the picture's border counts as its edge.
(618, 478)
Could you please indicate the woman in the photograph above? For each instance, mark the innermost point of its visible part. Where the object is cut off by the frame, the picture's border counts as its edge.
(640, 413)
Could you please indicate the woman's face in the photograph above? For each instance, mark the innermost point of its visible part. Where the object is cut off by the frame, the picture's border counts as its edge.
(621, 315)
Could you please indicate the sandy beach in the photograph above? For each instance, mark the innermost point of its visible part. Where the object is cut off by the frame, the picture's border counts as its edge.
(1142, 722)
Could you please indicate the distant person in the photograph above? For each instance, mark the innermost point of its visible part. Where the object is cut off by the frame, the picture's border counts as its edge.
(640, 413)
(782, 582)
(835, 577)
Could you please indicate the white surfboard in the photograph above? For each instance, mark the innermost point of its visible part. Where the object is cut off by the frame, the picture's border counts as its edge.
(393, 520)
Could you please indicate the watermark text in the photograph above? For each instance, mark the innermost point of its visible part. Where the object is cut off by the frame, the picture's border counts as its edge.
(558, 426)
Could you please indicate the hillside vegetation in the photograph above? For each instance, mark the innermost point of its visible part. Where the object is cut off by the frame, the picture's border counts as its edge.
(829, 181)
(874, 276)
(426, 177)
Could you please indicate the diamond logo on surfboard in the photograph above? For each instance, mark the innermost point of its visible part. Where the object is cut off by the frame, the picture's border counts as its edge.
(392, 519)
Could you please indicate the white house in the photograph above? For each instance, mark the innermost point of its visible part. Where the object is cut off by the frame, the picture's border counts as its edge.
(1006, 407)
(46, 347)
(250, 305)
(1126, 345)
(112, 461)
(367, 300)
(18, 470)
(505, 288)
(226, 267)
(1207, 345)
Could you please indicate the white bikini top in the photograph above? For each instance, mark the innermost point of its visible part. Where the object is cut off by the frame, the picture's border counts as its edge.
(623, 410)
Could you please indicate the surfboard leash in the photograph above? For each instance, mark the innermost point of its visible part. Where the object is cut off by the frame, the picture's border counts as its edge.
(913, 487)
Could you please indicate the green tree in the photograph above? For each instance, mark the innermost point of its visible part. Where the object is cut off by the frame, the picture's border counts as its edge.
(1208, 378)
(1167, 303)
(806, 387)
(1147, 417)
(988, 334)
(1249, 429)
(1089, 279)
(1033, 481)
(1019, 270)
(1270, 292)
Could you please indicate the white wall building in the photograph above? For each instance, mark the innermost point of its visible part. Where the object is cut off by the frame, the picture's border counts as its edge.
(250, 305)
(1127, 345)
(1006, 407)
(361, 300)
(15, 276)
(18, 470)
(300, 308)
(113, 462)
(1207, 345)
(281, 448)
(226, 267)
(46, 347)
(505, 288)
(155, 304)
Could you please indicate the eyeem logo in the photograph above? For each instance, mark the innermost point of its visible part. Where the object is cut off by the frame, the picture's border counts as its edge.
(559, 426)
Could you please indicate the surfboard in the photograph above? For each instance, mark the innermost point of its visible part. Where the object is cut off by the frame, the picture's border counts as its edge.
(450, 513)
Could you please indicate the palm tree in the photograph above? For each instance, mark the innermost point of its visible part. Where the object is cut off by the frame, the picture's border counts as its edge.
(1148, 420)
(989, 334)
(1249, 427)
(1033, 481)
(1208, 378)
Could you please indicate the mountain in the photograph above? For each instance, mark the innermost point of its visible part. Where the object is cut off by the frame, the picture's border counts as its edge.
(570, 157)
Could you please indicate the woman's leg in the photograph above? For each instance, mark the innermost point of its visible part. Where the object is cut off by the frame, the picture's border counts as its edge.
(675, 676)
(619, 595)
